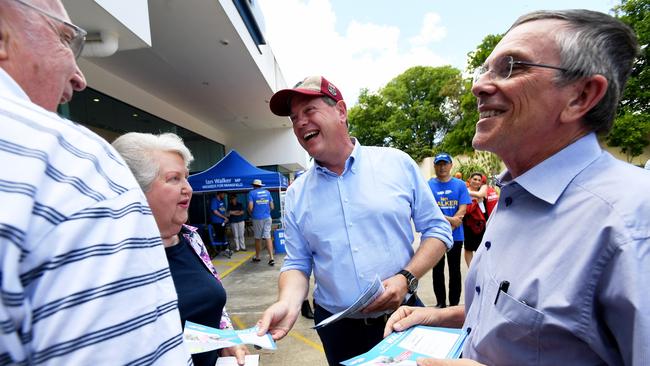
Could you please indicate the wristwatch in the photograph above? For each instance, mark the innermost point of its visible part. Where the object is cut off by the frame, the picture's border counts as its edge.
(411, 281)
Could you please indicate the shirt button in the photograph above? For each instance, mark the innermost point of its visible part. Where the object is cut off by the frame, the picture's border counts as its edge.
(488, 245)
(350, 224)
(346, 200)
(508, 201)
(355, 250)
(478, 289)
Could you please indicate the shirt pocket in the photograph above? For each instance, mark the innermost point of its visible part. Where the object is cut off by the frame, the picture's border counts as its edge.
(508, 332)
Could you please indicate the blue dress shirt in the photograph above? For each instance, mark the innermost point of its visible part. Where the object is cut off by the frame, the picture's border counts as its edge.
(349, 228)
(572, 236)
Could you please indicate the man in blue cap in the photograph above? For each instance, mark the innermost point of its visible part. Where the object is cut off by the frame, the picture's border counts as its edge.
(452, 197)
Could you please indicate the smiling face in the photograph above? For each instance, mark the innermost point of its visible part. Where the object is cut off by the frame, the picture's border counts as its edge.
(321, 129)
(34, 53)
(475, 182)
(169, 194)
(521, 116)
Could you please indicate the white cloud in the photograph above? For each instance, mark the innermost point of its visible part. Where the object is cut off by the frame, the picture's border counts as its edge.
(303, 37)
(430, 32)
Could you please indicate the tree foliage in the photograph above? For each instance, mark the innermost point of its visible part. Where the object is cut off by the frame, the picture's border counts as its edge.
(477, 57)
(632, 125)
(636, 14)
(459, 138)
(429, 109)
(411, 112)
(480, 161)
(630, 133)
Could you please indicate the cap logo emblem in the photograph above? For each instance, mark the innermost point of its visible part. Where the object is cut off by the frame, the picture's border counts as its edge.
(331, 89)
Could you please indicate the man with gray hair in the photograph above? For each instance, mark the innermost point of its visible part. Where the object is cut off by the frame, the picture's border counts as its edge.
(84, 277)
(562, 275)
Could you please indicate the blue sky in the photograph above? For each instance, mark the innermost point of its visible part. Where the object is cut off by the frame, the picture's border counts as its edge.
(365, 43)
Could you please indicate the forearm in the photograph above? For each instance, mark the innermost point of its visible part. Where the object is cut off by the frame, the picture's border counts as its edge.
(293, 287)
(428, 254)
(454, 221)
(217, 213)
(451, 317)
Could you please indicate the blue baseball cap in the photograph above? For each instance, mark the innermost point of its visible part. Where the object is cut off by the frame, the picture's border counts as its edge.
(442, 157)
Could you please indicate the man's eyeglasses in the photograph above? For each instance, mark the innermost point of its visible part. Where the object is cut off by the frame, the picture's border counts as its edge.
(74, 37)
(502, 68)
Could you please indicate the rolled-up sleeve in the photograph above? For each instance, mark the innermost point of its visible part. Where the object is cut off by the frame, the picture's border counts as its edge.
(427, 217)
(299, 256)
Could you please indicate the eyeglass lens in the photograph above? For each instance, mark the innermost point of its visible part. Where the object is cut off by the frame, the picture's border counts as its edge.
(501, 69)
(75, 41)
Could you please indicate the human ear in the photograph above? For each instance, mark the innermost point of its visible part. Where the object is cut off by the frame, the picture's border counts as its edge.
(584, 95)
(342, 111)
(4, 39)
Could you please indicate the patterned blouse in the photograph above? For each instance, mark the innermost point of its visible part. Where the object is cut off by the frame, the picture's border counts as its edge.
(191, 234)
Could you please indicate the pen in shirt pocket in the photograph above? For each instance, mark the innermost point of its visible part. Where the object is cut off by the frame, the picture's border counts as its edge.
(503, 286)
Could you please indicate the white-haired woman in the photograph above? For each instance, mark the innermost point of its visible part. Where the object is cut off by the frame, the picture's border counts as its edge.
(160, 165)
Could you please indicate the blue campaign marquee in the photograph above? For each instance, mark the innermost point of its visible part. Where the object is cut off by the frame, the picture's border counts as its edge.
(234, 173)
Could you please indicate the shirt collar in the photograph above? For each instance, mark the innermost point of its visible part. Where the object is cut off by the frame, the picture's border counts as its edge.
(548, 179)
(8, 86)
(349, 162)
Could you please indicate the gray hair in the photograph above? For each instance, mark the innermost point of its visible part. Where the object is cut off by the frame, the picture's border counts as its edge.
(137, 150)
(331, 102)
(592, 43)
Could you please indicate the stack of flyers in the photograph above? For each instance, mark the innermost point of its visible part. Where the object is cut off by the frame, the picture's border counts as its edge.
(372, 292)
(403, 348)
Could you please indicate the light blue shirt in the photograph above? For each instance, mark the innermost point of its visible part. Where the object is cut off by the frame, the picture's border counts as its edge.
(350, 228)
(572, 236)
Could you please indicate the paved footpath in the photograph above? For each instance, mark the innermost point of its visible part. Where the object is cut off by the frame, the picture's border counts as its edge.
(252, 287)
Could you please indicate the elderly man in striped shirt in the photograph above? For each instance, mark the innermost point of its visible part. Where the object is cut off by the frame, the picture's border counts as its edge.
(84, 278)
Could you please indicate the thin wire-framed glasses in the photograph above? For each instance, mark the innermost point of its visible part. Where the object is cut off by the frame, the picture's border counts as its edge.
(502, 68)
(75, 39)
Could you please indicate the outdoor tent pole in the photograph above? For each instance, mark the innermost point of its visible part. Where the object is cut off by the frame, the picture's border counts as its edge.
(281, 203)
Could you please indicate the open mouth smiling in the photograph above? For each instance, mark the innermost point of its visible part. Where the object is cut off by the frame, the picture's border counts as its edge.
(310, 135)
(490, 113)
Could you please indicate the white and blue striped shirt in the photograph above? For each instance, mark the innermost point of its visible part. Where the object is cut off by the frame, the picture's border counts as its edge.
(84, 279)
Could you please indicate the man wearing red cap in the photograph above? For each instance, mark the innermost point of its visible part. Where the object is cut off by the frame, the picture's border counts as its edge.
(348, 219)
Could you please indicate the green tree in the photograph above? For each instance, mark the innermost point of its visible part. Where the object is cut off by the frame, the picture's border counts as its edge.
(477, 57)
(630, 133)
(411, 112)
(480, 161)
(631, 127)
(459, 138)
(368, 119)
(636, 14)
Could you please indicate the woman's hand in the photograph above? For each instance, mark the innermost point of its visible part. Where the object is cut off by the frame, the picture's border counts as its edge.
(239, 352)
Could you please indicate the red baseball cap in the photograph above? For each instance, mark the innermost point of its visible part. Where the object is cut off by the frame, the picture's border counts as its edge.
(311, 85)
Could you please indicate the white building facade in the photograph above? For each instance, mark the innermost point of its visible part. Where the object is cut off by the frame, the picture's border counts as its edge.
(200, 68)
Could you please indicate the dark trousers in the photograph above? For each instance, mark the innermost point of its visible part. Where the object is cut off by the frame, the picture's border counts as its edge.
(455, 282)
(219, 233)
(347, 338)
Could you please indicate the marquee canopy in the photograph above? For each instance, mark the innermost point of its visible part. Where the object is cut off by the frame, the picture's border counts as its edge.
(234, 173)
